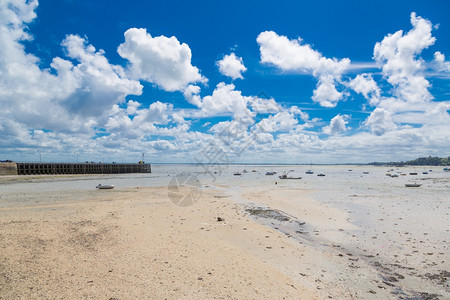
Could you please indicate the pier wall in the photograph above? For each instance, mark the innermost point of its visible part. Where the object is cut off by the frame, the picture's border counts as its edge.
(8, 168)
(79, 168)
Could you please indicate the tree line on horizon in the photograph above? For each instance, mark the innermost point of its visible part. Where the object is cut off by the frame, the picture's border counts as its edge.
(421, 161)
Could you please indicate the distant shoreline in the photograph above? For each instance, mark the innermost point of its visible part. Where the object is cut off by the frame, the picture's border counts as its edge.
(421, 161)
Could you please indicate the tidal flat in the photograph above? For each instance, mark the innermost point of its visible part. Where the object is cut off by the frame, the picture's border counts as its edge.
(354, 233)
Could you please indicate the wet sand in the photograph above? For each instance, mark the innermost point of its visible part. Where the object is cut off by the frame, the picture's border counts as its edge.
(365, 239)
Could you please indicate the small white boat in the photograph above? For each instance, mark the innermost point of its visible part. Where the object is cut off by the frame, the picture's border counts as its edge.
(105, 186)
(310, 171)
(412, 184)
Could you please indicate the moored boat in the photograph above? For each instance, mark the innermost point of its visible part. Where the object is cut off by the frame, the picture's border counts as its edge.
(105, 186)
(310, 171)
(412, 184)
(285, 176)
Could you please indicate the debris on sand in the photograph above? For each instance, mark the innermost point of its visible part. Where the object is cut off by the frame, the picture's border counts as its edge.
(268, 213)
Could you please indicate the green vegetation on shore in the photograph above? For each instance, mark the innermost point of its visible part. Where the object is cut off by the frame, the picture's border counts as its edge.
(421, 161)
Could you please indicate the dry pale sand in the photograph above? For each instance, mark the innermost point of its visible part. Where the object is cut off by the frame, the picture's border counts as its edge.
(135, 244)
(272, 242)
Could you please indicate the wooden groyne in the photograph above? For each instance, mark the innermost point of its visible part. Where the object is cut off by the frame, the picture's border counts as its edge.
(75, 168)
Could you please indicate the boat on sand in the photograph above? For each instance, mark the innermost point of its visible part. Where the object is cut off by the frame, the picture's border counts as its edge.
(310, 171)
(105, 186)
(285, 176)
(412, 184)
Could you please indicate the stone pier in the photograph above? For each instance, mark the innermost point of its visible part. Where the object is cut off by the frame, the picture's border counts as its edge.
(12, 168)
(8, 168)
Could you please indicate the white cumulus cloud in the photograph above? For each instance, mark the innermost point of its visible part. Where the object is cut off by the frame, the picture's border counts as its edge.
(441, 63)
(380, 121)
(232, 66)
(96, 84)
(294, 55)
(226, 100)
(160, 60)
(411, 102)
(65, 101)
(283, 121)
(365, 85)
(397, 55)
(69, 97)
(337, 125)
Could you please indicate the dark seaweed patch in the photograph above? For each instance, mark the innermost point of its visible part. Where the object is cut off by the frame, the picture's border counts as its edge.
(268, 214)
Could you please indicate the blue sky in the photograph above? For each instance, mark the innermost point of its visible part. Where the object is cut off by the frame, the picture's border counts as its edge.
(285, 81)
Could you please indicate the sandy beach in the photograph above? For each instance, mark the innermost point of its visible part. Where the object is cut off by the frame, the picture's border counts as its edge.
(347, 235)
